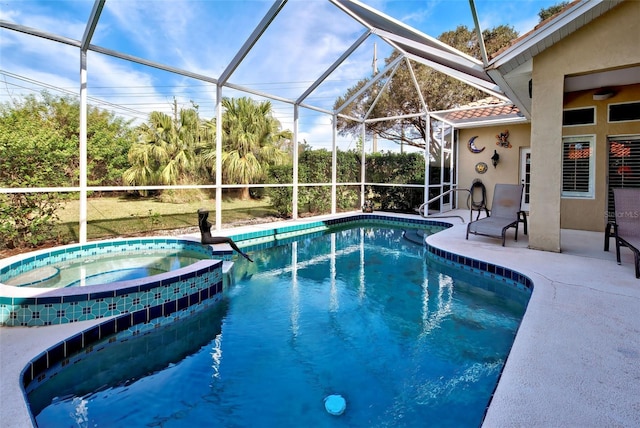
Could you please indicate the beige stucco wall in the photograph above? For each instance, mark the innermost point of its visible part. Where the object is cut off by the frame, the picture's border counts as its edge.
(507, 170)
(590, 214)
(610, 41)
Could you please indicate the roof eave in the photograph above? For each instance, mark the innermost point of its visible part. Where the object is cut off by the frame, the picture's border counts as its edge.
(506, 68)
(483, 123)
(523, 105)
(529, 46)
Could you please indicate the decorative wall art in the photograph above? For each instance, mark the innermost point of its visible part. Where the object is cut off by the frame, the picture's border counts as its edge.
(502, 139)
(481, 167)
(472, 145)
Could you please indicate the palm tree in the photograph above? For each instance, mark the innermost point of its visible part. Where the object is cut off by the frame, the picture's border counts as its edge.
(252, 140)
(166, 149)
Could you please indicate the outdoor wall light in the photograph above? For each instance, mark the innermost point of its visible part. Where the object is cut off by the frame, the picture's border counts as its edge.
(603, 94)
(495, 158)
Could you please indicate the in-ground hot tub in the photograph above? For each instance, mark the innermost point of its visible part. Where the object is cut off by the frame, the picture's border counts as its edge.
(171, 275)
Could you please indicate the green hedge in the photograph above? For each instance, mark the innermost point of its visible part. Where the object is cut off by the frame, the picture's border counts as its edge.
(314, 166)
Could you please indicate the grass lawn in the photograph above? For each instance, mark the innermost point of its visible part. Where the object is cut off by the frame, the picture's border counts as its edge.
(115, 216)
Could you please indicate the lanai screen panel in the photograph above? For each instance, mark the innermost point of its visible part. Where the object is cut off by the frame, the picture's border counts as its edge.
(419, 46)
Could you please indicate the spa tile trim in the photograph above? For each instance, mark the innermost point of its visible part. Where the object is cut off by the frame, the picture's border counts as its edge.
(123, 326)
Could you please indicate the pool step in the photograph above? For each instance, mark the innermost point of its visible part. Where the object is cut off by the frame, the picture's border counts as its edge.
(415, 236)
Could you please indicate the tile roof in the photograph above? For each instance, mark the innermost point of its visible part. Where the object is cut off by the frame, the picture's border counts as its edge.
(486, 109)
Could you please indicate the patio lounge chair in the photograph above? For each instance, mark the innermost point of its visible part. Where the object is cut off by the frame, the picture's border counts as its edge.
(505, 213)
(627, 230)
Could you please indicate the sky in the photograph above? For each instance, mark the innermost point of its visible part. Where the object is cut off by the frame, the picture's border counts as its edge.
(203, 36)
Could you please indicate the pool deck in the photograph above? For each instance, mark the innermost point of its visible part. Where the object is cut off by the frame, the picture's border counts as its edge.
(575, 361)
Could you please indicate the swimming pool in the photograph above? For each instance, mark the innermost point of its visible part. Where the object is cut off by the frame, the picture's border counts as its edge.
(356, 312)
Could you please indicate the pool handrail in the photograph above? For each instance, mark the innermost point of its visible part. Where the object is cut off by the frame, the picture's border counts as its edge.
(421, 208)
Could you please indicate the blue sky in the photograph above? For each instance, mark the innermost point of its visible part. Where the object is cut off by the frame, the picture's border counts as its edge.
(202, 36)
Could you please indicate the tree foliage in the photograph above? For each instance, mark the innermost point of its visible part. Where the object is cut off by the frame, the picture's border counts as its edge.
(167, 150)
(252, 141)
(315, 167)
(396, 168)
(181, 149)
(439, 91)
(39, 140)
(552, 10)
(32, 150)
(109, 138)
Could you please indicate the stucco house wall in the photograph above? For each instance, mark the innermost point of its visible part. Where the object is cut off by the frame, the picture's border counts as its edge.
(507, 170)
(608, 42)
(590, 214)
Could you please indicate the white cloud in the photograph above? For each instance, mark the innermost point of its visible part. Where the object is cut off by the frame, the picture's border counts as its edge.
(40, 15)
(419, 15)
(40, 60)
(9, 14)
(302, 42)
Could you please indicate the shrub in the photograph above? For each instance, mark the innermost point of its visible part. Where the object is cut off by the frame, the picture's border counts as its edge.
(315, 167)
(281, 197)
(26, 219)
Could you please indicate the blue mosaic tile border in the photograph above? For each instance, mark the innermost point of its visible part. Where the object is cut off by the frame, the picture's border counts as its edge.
(73, 305)
(264, 239)
(281, 233)
(120, 328)
(520, 281)
(379, 219)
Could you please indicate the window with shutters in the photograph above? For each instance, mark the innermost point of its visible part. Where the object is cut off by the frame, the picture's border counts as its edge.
(578, 166)
(624, 165)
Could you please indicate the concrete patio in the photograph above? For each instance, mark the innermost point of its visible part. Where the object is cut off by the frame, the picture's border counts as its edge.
(575, 361)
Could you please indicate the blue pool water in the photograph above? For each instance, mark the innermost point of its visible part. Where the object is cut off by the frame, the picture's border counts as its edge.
(93, 270)
(355, 312)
